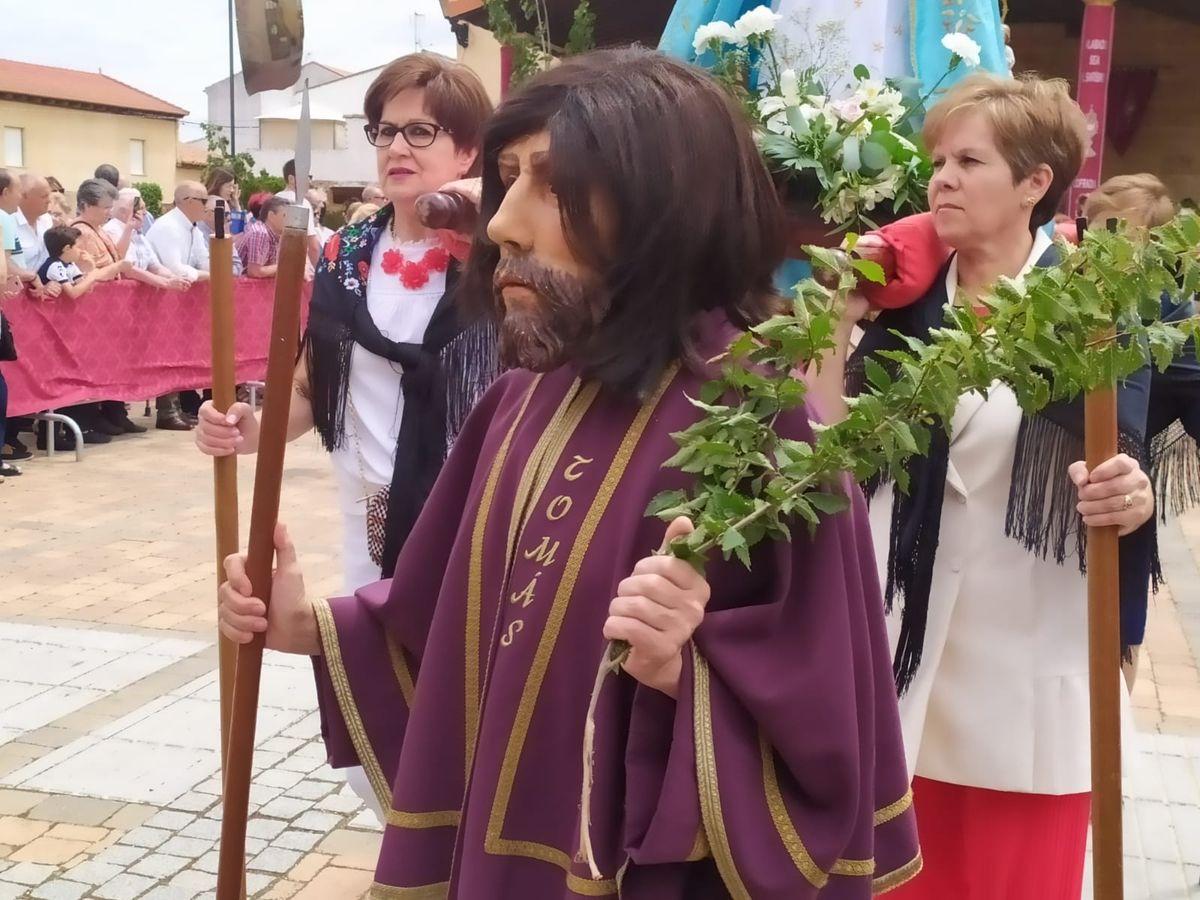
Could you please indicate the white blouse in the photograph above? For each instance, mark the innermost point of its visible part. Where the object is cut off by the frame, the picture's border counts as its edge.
(375, 407)
(1000, 699)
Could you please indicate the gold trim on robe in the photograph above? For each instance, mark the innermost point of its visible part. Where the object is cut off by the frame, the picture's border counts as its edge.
(706, 776)
(345, 698)
(404, 677)
(892, 810)
(447, 818)
(902, 875)
(475, 585)
(426, 892)
(494, 842)
(331, 646)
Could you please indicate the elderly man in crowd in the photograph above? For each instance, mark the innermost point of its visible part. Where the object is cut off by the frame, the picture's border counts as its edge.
(289, 194)
(19, 273)
(108, 172)
(373, 193)
(183, 249)
(207, 228)
(179, 244)
(33, 221)
(127, 213)
(319, 200)
(259, 246)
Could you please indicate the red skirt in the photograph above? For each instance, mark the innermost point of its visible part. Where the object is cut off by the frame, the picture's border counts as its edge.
(979, 844)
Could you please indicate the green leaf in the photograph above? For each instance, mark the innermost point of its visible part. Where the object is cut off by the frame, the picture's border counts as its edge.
(797, 122)
(830, 504)
(875, 155)
(861, 72)
(731, 540)
(870, 270)
(666, 500)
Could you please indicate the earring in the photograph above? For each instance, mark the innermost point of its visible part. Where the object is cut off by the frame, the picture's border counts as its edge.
(1031, 201)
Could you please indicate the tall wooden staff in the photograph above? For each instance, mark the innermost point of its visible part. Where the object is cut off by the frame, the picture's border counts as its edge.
(281, 363)
(225, 489)
(1104, 652)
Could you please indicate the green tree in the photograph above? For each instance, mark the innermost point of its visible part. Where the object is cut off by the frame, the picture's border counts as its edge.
(532, 53)
(240, 164)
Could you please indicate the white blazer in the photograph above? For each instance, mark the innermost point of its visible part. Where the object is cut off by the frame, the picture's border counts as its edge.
(1000, 699)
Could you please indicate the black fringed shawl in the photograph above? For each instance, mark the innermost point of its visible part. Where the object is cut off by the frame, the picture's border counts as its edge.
(1041, 510)
(442, 376)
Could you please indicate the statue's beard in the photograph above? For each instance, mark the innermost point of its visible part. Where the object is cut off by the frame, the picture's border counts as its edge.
(543, 333)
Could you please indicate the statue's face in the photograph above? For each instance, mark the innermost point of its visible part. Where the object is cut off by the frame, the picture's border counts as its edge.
(549, 298)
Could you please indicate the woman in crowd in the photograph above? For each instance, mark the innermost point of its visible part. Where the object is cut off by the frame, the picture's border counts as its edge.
(1142, 201)
(387, 391)
(221, 183)
(60, 210)
(319, 201)
(990, 620)
(254, 204)
(94, 204)
(390, 366)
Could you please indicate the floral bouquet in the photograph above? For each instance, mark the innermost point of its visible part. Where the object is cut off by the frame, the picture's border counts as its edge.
(852, 154)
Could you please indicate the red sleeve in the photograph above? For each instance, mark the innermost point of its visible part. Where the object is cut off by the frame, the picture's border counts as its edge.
(919, 256)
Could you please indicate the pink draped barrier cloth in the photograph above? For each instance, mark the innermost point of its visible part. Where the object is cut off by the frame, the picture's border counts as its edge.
(128, 341)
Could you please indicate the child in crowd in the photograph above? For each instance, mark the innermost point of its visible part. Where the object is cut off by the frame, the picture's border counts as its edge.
(62, 266)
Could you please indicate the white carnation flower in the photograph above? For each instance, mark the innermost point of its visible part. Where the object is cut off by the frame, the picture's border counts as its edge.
(962, 46)
(879, 99)
(758, 22)
(714, 31)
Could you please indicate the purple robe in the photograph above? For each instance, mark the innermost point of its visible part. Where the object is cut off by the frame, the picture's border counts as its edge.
(462, 684)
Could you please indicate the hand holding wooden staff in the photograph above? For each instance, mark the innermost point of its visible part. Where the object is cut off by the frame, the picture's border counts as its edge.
(285, 326)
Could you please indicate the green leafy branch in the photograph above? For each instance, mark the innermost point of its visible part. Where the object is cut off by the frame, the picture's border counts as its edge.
(533, 52)
(1038, 336)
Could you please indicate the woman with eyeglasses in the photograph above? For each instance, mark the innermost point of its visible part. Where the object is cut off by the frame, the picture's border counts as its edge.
(390, 366)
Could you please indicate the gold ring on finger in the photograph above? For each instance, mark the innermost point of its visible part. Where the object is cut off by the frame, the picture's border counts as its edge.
(1128, 501)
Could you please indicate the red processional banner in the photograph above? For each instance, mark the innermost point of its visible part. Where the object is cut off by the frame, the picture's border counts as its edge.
(1095, 66)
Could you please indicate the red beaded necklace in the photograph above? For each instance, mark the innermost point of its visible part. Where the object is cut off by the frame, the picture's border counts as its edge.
(415, 274)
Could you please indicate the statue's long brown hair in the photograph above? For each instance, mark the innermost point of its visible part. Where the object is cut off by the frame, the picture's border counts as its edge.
(695, 222)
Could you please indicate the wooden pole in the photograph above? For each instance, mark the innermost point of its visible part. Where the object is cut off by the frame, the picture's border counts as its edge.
(1104, 655)
(281, 364)
(225, 488)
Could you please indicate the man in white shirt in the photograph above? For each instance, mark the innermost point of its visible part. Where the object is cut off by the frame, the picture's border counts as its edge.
(314, 241)
(33, 221)
(175, 238)
(146, 266)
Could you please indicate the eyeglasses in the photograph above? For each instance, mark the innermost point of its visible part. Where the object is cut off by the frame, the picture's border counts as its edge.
(416, 134)
(201, 199)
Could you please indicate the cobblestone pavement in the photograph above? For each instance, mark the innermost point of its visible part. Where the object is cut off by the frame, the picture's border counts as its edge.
(108, 700)
(109, 704)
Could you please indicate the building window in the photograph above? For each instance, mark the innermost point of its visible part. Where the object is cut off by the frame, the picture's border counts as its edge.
(137, 157)
(14, 147)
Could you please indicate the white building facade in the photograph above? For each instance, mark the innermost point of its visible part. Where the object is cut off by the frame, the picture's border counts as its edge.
(266, 123)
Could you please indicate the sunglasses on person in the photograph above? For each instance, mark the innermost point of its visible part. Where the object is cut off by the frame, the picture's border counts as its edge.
(417, 135)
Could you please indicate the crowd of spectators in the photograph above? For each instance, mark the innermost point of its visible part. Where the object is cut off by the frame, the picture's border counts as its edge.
(55, 249)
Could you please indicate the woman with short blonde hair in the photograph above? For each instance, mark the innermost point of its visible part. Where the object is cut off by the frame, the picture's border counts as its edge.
(1142, 200)
(981, 558)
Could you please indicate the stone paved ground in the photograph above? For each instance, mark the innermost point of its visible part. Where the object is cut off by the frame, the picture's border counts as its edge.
(108, 700)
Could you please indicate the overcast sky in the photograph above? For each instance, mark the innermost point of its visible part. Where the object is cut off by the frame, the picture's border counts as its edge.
(173, 49)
